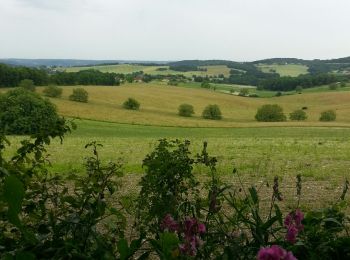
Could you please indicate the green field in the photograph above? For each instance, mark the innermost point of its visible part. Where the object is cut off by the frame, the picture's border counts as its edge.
(292, 70)
(130, 68)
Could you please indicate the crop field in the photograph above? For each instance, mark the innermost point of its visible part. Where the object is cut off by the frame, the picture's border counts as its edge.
(292, 70)
(130, 68)
(320, 155)
(159, 106)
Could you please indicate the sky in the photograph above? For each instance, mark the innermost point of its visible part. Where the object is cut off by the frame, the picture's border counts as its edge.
(164, 30)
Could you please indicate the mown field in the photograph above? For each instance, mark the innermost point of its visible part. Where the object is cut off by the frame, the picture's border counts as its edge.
(320, 155)
(130, 68)
(292, 70)
(159, 106)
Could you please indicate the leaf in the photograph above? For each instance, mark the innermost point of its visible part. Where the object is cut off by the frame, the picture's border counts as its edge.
(123, 249)
(13, 195)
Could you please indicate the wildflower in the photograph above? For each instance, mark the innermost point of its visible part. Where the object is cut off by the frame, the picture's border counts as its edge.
(293, 224)
(169, 224)
(192, 229)
(275, 253)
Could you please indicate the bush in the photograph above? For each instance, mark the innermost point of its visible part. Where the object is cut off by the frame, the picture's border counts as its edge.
(79, 95)
(333, 86)
(304, 108)
(186, 110)
(25, 112)
(27, 84)
(270, 113)
(212, 112)
(328, 115)
(205, 84)
(299, 89)
(278, 94)
(298, 115)
(243, 92)
(131, 104)
(52, 91)
(342, 84)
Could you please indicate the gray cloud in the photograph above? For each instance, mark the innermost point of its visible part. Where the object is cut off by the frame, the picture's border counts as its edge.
(174, 29)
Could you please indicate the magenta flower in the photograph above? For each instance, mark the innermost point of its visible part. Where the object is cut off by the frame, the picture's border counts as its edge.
(292, 223)
(275, 253)
(169, 224)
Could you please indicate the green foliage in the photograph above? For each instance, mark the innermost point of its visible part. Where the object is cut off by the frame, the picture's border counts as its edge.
(186, 110)
(298, 115)
(333, 86)
(299, 89)
(131, 104)
(168, 186)
(25, 112)
(270, 113)
(52, 91)
(328, 115)
(212, 112)
(79, 95)
(205, 84)
(243, 92)
(27, 84)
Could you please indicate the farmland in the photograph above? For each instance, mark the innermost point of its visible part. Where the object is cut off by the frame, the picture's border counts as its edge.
(292, 70)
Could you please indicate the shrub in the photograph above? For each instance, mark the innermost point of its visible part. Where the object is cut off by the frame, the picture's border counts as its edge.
(298, 115)
(243, 92)
(131, 104)
(79, 95)
(186, 110)
(270, 113)
(212, 112)
(299, 89)
(304, 108)
(328, 115)
(342, 84)
(52, 91)
(205, 84)
(333, 86)
(25, 112)
(278, 94)
(27, 84)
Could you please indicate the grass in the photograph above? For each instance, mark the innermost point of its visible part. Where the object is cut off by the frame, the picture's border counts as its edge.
(320, 155)
(159, 104)
(292, 70)
(129, 68)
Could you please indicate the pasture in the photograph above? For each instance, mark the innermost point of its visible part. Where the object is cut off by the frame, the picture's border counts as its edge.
(292, 70)
(159, 104)
(153, 70)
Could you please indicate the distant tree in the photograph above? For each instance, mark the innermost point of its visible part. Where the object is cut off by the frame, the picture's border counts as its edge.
(333, 86)
(186, 110)
(205, 84)
(299, 89)
(27, 84)
(270, 113)
(298, 115)
(342, 84)
(25, 112)
(328, 115)
(129, 78)
(79, 95)
(243, 92)
(52, 91)
(278, 94)
(212, 112)
(131, 104)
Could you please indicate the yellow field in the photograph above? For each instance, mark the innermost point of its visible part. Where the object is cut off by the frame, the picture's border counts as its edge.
(159, 105)
(129, 68)
(292, 70)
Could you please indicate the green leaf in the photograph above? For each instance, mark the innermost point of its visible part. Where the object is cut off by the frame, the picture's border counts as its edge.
(123, 249)
(13, 195)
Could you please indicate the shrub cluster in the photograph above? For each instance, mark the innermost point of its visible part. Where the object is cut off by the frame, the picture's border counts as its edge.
(52, 91)
(186, 110)
(270, 113)
(298, 115)
(79, 95)
(131, 104)
(212, 112)
(328, 115)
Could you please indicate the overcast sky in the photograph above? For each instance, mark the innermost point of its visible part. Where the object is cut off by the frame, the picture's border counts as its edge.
(239, 30)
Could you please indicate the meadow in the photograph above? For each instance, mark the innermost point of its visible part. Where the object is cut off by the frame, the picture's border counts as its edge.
(292, 70)
(153, 70)
(159, 106)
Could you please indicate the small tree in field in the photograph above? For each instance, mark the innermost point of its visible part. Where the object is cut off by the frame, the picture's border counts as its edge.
(205, 84)
(212, 112)
(52, 91)
(27, 84)
(131, 104)
(186, 110)
(328, 115)
(79, 95)
(270, 113)
(243, 92)
(298, 115)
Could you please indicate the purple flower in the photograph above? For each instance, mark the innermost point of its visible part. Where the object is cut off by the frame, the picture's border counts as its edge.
(169, 224)
(292, 223)
(274, 253)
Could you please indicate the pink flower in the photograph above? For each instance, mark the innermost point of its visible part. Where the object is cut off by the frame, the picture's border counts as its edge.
(274, 253)
(201, 228)
(291, 235)
(169, 224)
(292, 223)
